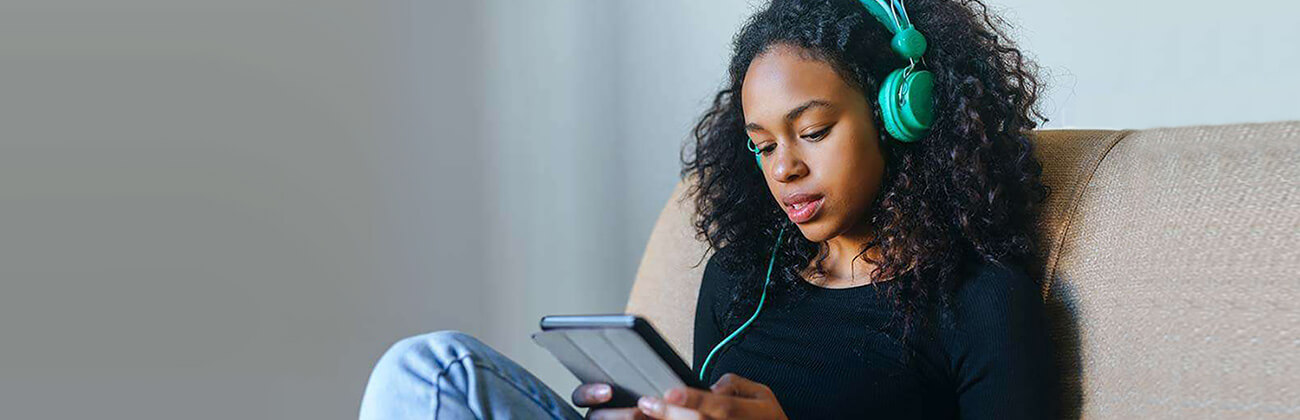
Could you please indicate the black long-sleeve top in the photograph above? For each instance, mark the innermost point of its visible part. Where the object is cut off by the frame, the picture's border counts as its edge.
(830, 355)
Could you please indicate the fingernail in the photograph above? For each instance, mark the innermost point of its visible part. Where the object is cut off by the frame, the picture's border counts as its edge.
(649, 405)
(675, 396)
(601, 391)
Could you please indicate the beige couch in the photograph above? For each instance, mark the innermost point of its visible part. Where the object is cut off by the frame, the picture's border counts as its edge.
(1172, 260)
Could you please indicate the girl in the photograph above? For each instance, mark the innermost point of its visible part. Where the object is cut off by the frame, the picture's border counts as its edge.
(884, 237)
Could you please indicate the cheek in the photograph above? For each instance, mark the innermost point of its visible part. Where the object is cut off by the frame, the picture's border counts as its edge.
(854, 176)
(845, 167)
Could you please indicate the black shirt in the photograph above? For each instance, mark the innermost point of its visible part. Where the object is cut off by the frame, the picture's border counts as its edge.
(828, 355)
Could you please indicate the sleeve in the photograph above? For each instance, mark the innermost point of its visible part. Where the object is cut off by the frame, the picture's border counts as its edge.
(1000, 350)
(707, 329)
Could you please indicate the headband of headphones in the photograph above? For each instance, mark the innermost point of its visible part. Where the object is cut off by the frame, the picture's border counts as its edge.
(888, 13)
(907, 41)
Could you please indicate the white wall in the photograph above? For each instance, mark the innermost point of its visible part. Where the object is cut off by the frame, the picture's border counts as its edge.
(229, 209)
(1142, 64)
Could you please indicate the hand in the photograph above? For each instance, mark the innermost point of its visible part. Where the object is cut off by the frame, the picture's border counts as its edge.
(732, 397)
(595, 394)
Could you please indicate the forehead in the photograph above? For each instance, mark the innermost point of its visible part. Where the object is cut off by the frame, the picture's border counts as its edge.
(783, 77)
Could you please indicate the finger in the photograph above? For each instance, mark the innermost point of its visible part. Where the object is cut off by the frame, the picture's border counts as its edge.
(676, 412)
(686, 397)
(616, 414)
(733, 384)
(707, 403)
(656, 408)
(588, 395)
(724, 386)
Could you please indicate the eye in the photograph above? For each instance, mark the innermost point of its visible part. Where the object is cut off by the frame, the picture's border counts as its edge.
(763, 150)
(820, 134)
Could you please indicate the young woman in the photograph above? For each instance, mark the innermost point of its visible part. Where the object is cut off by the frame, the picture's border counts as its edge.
(871, 248)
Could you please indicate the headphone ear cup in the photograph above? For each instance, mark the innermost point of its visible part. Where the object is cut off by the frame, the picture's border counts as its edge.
(888, 102)
(917, 110)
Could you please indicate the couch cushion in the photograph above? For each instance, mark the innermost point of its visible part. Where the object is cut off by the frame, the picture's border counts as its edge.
(1175, 292)
(1069, 157)
(668, 280)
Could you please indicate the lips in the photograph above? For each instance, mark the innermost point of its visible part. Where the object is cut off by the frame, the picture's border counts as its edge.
(802, 207)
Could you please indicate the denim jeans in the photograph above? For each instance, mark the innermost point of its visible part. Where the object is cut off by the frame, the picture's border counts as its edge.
(451, 375)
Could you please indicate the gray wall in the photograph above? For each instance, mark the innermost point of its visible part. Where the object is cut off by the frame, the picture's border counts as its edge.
(227, 209)
(587, 105)
(230, 209)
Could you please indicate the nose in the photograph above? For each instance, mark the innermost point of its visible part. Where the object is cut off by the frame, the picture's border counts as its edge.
(787, 166)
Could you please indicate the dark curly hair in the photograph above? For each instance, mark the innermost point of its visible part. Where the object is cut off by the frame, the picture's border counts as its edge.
(967, 191)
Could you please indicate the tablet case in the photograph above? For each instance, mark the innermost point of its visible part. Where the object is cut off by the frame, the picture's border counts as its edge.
(616, 356)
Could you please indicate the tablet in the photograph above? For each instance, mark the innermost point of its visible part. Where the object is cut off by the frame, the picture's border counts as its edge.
(621, 350)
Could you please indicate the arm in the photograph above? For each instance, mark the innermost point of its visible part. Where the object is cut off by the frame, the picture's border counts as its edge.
(1001, 352)
(707, 330)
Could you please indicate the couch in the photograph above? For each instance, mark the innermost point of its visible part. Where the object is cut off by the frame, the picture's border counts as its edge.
(1171, 267)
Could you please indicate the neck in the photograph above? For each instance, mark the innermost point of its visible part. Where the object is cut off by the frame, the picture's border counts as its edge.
(842, 265)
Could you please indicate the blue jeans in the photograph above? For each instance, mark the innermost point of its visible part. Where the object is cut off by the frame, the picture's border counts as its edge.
(452, 375)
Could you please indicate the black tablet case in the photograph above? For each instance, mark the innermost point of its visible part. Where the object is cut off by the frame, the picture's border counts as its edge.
(616, 356)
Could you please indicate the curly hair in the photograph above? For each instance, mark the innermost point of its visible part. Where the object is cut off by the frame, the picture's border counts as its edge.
(969, 190)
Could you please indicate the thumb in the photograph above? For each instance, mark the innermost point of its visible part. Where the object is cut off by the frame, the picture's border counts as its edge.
(733, 384)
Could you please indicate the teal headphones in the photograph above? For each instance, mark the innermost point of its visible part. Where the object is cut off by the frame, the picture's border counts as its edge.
(906, 106)
(905, 98)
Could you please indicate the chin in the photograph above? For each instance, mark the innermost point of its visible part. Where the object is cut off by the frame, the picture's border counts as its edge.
(816, 231)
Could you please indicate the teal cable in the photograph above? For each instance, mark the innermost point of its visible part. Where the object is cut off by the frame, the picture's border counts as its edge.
(761, 299)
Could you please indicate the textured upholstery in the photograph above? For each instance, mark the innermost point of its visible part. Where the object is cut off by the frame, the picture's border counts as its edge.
(1172, 266)
(668, 281)
(1175, 289)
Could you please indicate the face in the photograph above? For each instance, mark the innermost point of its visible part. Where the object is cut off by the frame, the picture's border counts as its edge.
(819, 147)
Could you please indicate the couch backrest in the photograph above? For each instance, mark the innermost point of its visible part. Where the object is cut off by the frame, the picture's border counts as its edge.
(1171, 260)
(1175, 287)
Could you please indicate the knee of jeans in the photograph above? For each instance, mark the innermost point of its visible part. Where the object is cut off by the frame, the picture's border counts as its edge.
(435, 340)
(452, 342)
(424, 354)
(446, 338)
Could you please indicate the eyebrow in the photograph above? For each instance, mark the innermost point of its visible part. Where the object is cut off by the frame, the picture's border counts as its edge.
(794, 113)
